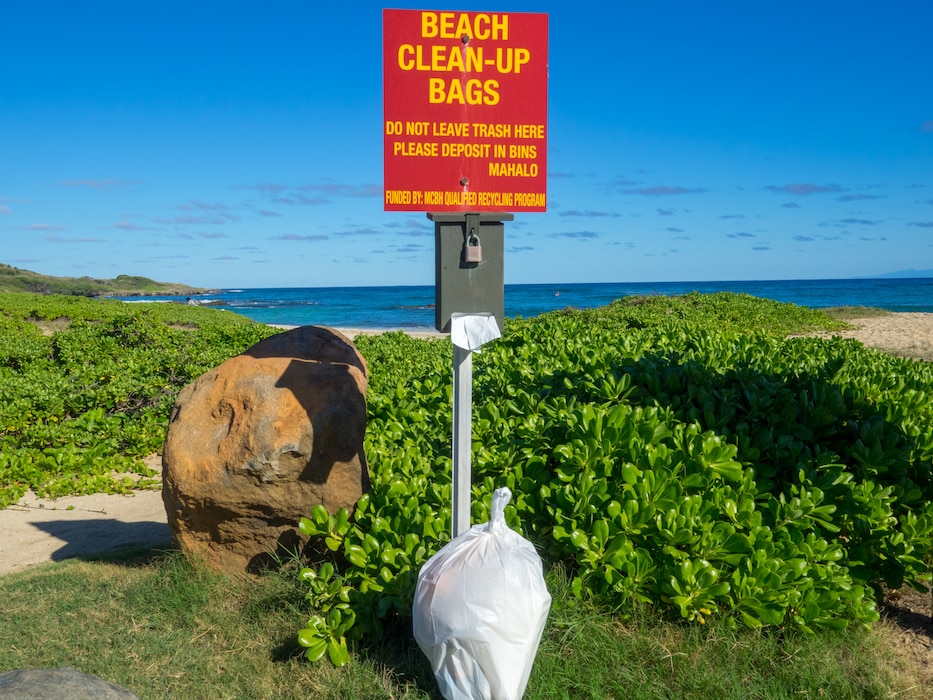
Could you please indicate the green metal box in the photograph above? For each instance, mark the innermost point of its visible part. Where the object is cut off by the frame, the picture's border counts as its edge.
(468, 287)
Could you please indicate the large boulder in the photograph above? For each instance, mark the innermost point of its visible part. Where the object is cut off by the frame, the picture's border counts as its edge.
(59, 683)
(254, 444)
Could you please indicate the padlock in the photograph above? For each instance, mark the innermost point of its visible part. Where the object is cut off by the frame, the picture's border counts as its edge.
(473, 250)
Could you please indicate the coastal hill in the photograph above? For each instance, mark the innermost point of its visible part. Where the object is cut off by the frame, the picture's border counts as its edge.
(13, 279)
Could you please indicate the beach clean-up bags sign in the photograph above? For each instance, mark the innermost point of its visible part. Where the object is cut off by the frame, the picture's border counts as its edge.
(465, 111)
(479, 610)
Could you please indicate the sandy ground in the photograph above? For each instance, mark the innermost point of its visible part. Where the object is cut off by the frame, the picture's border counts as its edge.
(902, 334)
(37, 531)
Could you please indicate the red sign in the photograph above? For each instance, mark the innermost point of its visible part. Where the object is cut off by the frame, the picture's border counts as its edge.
(465, 120)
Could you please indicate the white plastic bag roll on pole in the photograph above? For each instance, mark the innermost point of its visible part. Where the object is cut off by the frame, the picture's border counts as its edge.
(479, 610)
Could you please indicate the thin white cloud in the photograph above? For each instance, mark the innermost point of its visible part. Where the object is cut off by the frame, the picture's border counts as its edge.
(361, 231)
(589, 214)
(203, 206)
(299, 237)
(411, 227)
(129, 226)
(850, 222)
(664, 190)
(857, 197)
(43, 227)
(300, 200)
(316, 194)
(267, 187)
(334, 189)
(198, 213)
(62, 239)
(4, 209)
(207, 219)
(98, 184)
(805, 188)
(584, 235)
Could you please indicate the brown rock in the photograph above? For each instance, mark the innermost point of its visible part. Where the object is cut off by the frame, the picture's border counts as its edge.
(254, 444)
(57, 683)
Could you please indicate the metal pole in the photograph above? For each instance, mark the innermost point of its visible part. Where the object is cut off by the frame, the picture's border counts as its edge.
(462, 437)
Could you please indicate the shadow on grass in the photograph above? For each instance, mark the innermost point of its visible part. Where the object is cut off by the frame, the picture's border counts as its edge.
(133, 555)
(910, 610)
(397, 655)
(91, 538)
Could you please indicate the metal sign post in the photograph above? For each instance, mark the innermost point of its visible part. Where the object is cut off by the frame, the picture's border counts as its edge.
(475, 288)
(462, 438)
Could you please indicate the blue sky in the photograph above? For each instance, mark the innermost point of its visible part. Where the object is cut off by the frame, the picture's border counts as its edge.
(239, 144)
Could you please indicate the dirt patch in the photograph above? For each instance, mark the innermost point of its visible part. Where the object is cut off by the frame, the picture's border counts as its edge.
(907, 625)
(49, 327)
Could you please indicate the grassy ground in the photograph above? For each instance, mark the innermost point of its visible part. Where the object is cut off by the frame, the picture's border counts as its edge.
(152, 622)
(847, 313)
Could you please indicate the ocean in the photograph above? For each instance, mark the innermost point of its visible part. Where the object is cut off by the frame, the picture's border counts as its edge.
(412, 307)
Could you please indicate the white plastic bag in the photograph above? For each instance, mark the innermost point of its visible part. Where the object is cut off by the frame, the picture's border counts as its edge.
(479, 610)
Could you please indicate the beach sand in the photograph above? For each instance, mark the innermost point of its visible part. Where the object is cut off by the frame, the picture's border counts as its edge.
(36, 530)
(900, 334)
(351, 333)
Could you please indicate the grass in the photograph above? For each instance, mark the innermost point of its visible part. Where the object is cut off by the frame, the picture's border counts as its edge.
(166, 628)
(848, 313)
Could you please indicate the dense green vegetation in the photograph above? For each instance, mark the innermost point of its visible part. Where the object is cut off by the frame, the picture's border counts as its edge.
(681, 454)
(13, 279)
(674, 460)
(86, 386)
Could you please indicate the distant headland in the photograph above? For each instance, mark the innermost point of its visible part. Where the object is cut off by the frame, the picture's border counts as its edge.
(13, 279)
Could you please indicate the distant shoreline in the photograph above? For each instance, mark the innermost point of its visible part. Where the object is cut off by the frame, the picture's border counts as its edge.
(351, 333)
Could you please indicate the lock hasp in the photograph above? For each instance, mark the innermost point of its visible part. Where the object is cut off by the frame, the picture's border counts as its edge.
(461, 284)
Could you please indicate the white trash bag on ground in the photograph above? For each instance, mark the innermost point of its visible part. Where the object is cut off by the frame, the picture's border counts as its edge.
(479, 610)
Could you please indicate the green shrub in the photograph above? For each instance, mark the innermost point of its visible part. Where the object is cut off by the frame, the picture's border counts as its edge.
(678, 454)
(81, 406)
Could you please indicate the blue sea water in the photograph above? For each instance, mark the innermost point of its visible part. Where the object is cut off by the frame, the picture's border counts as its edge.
(412, 307)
